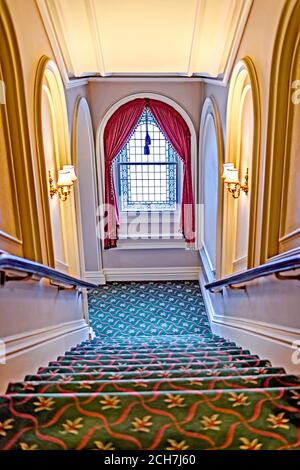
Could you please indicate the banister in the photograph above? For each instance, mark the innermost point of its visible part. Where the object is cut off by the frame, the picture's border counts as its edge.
(288, 263)
(16, 264)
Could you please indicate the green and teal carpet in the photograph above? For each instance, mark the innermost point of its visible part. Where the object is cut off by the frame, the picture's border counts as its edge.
(155, 377)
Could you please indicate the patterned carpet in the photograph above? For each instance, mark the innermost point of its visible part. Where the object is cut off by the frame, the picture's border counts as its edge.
(148, 308)
(155, 378)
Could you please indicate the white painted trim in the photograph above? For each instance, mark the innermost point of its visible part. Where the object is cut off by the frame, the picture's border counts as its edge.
(100, 143)
(96, 277)
(245, 13)
(76, 82)
(149, 78)
(16, 344)
(269, 341)
(27, 351)
(150, 244)
(49, 29)
(207, 264)
(81, 106)
(152, 274)
(96, 33)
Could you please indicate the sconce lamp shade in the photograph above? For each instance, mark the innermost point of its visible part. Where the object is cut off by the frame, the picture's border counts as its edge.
(232, 176)
(226, 167)
(64, 178)
(71, 170)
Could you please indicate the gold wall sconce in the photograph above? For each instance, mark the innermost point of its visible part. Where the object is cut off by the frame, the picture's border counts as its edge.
(65, 181)
(231, 179)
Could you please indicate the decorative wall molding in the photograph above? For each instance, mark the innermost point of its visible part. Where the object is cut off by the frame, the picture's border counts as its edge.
(48, 81)
(152, 274)
(20, 152)
(210, 111)
(270, 341)
(86, 196)
(26, 352)
(276, 184)
(243, 80)
(20, 343)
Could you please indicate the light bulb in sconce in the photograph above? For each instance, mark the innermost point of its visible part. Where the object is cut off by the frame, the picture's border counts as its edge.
(232, 176)
(232, 181)
(71, 170)
(64, 178)
(65, 181)
(226, 167)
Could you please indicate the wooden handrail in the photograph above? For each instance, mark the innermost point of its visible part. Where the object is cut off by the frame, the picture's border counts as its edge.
(15, 264)
(288, 263)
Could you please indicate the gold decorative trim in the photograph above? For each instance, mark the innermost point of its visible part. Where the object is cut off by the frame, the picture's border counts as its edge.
(19, 133)
(245, 70)
(210, 109)
(280, 97)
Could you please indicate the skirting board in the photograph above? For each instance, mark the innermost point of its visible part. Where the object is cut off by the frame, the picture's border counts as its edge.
(96, 277)
(25, 353)
(274, 342)
(152, 274)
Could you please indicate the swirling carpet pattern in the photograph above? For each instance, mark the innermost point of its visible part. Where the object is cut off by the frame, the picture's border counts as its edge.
(154, 377)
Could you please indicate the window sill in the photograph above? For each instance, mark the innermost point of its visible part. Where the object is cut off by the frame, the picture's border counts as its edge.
(150, 244)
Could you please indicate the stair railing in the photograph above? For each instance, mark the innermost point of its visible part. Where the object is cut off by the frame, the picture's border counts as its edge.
(276, 267)
(15, 268)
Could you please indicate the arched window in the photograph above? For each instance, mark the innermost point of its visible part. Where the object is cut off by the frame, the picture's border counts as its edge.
(171, 129)
(148, 176)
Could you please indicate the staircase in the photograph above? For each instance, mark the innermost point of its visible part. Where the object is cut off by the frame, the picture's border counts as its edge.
(185, 392)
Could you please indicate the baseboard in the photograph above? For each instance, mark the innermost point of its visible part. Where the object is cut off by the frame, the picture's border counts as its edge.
(152, 274)
(96, 277)
(24, 353)
(277, 343)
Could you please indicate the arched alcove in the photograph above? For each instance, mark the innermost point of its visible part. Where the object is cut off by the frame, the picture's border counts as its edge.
(242, 149)
(211, 154)
(53, 145)
(100, 140)
(18, 210)
(83, 152)
(281, 230)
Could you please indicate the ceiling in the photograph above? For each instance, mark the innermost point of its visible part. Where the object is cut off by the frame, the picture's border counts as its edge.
(146, 37)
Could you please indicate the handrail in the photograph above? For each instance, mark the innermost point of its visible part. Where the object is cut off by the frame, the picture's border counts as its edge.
(31, 269)
(276, 267)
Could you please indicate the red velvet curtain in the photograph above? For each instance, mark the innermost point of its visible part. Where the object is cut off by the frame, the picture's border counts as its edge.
(178, 134)
(116, 134)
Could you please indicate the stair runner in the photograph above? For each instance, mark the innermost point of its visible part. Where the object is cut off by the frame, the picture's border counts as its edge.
(169, 392)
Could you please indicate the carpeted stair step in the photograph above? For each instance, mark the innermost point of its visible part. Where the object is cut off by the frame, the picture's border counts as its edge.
(205, 363)
(150, 361)
(224, 419)
(179, 384)
(232, 371)
(137, 368)
(161, 355)
(169, 339)
(150, 348)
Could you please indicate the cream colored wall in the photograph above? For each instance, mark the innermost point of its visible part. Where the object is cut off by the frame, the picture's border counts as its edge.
(265, 316)
(210, 190)
(37, 322)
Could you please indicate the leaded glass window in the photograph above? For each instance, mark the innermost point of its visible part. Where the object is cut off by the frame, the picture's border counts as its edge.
(148, 182)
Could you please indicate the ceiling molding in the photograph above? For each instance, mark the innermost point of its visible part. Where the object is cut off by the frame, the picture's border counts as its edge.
(96, 33)
(243, 19)
(216, 58)
(42, 7)
(200, 6)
